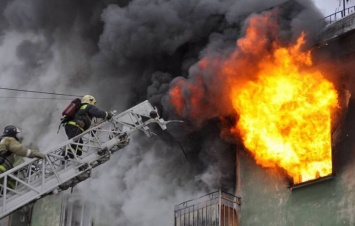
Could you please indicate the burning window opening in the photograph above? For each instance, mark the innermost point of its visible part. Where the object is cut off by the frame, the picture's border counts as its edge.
(310, 182)
(285, 113)
(337, 134)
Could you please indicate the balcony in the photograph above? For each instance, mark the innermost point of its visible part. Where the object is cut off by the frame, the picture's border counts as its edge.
(336, 24)
(214, 209)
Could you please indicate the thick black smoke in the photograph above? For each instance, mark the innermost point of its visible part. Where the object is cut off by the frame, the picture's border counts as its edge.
(124, 52)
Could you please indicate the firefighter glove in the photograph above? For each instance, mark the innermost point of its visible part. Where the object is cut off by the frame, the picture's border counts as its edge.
(39, 155)
(109, 115)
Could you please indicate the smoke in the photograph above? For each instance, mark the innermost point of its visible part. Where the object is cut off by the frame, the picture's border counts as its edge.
(124, 52)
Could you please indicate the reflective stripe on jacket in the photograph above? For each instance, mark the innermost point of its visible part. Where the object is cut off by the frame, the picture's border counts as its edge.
(85, 114)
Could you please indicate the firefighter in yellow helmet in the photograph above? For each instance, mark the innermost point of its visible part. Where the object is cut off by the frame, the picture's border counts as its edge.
(82, 120)
(10, 146)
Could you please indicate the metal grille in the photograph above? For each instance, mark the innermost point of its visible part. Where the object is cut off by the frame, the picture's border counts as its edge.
(214, 209)
(76, 212)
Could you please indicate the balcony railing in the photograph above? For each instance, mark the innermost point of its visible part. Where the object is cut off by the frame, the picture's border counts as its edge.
(214, 209)
(322, 30)
(337, 16)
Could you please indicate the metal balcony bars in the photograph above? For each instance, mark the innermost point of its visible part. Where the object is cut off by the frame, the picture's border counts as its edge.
(214, 209)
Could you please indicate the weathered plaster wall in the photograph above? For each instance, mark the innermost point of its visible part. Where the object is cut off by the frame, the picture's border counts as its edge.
(47, 211)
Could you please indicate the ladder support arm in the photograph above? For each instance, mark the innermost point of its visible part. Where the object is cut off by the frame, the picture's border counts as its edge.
(36, 178)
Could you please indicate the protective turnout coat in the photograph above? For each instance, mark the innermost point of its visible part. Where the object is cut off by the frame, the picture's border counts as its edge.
(85, 114)
(9, 148)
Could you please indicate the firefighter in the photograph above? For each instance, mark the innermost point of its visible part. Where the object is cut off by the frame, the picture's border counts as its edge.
(10, 147)
(82, 121)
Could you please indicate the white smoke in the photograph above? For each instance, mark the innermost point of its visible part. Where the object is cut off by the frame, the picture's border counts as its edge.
(122, 53)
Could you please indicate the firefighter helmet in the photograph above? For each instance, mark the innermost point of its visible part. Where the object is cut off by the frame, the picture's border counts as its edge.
(88, 99)
(13, 131)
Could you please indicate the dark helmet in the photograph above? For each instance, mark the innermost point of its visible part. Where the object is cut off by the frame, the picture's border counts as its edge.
(12, 131)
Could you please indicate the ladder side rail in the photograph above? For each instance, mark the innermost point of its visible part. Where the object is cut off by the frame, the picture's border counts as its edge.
(48, 168)
(70, 142)
(56, 169)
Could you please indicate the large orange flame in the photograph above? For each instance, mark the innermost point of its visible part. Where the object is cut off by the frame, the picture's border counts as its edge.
(285, 115)
(284, 103)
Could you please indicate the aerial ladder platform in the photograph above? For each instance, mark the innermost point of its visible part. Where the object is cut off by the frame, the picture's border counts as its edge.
(62, 168)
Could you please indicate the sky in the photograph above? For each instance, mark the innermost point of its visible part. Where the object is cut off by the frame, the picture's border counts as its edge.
(328, 7)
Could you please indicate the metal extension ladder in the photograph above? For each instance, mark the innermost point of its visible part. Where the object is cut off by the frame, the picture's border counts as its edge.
(62, 168)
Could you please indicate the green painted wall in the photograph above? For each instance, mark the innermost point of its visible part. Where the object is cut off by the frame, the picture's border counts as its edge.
(47, 211)
(266, 200)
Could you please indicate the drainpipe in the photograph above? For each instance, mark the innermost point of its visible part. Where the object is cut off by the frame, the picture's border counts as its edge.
(220, 208)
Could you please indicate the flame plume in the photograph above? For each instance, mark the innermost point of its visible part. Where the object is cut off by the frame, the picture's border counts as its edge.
(283, 101)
